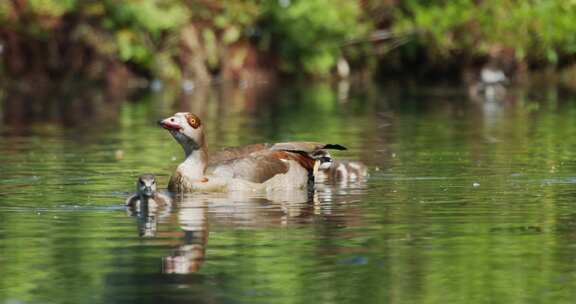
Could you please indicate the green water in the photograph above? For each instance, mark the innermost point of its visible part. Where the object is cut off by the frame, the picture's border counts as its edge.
(467, 202)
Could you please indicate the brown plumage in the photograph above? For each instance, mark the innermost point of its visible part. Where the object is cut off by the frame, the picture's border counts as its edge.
(256, 168)
(230, 153)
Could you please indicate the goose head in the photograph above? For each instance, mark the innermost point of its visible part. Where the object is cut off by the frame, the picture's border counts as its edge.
(187, 129)
(146, 185)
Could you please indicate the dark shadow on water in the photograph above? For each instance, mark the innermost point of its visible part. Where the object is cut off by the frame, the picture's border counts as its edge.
(75, 105)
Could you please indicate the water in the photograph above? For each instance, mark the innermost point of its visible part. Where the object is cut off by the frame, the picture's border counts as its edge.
(468, 201)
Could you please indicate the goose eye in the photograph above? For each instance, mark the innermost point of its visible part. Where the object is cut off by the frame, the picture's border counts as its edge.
(193, 121)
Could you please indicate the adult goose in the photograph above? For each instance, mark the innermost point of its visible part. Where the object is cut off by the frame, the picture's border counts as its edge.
(256, 167)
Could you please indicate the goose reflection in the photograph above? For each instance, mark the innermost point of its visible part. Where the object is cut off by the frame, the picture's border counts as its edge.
(189, 256)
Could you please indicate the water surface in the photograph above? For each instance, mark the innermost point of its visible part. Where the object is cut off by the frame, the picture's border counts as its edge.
(468, 201)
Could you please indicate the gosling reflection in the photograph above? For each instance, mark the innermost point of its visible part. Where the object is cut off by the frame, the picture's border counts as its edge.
(147, 224)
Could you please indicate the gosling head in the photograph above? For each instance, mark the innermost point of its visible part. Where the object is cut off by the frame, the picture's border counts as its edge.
(146, 186)
(323, 159)
(187, 129)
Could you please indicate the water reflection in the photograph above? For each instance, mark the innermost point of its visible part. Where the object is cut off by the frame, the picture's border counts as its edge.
(189, 255)
(193, 213)
(148, 215)
(469, 203)
(78, 104)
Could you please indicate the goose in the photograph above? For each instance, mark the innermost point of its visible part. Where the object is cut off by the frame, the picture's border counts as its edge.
(491, 85)
(255, 167)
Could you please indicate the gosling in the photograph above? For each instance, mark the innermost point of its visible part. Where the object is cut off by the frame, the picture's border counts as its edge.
(147, 194)
(342, 171)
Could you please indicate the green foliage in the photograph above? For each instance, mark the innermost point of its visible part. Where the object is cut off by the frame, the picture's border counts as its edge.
(5, 9)
(306, 35)
(138, 25)
(534, 30)
(164, 38)
(125, 30)
(50, 7)
(151, 16)
(309, 33)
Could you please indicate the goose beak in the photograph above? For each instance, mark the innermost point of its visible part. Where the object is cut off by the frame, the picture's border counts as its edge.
(148, 191)
(325, 163)
(168, 125)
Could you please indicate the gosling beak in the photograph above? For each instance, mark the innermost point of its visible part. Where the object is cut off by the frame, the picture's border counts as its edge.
(148, 191)
(325, 163)
(168, 125)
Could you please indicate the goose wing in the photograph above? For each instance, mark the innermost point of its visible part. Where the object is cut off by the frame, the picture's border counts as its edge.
(261, 166)
(260, 162)
(231, 153)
